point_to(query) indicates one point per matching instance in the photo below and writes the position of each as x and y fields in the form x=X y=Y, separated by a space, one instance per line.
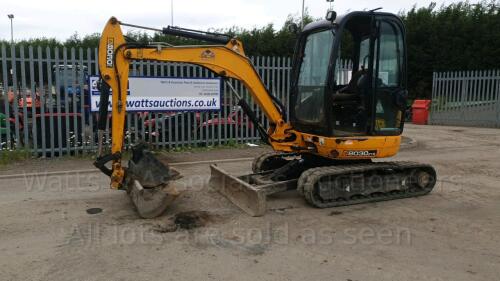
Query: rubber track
x=308 y=180
x=259 y=160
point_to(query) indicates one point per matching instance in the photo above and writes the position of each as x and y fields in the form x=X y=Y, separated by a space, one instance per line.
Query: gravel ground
x=70 y=226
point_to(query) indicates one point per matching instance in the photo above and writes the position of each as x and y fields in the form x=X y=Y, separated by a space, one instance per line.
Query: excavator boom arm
x=115 y=55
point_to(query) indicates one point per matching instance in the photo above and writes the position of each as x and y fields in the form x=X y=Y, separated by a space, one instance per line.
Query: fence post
x=6 y=105
x=463 y=96
x=43 y=93
x=15 y=88
x=33 y=97
x=433 y=98
x=497 y=93
x=22 y=91
x=50 y=99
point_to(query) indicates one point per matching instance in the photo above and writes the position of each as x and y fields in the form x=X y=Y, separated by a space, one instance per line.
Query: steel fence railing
x=466 y=98
x=45 y=108
x=45 y=104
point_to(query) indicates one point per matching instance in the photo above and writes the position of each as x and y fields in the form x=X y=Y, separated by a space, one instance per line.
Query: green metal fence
x=44 y=97
x=466 y=98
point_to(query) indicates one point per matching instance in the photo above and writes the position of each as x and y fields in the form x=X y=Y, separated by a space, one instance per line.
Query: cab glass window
x=390 y=56
x=313 y=76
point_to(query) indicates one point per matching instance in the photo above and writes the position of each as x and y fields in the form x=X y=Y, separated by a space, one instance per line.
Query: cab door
x=389 y=77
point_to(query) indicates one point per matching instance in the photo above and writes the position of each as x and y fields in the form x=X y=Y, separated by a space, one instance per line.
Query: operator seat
x=350 y=114
x=353 y=92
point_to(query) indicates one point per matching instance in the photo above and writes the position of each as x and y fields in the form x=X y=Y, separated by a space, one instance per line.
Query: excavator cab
x=349 y=76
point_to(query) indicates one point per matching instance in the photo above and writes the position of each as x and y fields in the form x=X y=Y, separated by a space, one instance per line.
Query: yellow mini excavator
x=338 y=121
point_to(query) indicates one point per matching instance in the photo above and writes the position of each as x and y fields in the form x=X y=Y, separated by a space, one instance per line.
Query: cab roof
x=342 y=19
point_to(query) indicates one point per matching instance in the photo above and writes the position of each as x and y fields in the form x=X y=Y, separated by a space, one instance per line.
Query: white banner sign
x=165 y=94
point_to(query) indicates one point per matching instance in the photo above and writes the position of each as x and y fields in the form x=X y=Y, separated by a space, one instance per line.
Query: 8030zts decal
x=110 y=49
x=360 y=153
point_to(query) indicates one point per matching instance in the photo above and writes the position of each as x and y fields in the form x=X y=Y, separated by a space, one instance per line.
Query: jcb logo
x=360 y=153
x=110 y=49
x=207 y=55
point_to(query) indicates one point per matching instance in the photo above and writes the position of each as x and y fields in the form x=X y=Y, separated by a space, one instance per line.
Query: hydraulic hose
x=251 y=114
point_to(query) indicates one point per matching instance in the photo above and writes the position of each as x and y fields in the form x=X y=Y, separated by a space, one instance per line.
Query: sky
x=60 y=19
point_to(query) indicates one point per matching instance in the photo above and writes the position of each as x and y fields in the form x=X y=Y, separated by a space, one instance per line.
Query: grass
x=13 y=156
x=228 y=145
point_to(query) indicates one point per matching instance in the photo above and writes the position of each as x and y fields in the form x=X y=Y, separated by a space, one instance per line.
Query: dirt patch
x=335 y=213
x=407 y=142
x=93 y=211
x=187 y=220
x=193 y=219
x=282 y=210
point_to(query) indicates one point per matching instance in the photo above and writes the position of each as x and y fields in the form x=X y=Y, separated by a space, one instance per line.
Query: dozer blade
x=150 y=183
x=249 y=192
x=250 y=199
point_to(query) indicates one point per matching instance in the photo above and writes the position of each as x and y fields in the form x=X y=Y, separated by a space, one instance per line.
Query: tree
x=460 y=36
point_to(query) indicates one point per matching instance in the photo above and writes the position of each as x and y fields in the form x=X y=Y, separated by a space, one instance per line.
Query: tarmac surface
x=64 y=223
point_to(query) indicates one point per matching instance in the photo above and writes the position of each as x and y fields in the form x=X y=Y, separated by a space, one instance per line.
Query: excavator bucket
x=150 y=183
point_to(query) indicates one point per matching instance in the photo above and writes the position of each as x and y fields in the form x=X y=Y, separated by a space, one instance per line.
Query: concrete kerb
x=407 y=143
x=84 y=171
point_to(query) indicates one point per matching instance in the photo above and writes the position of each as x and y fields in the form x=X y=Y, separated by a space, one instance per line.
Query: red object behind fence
x=420 y=112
